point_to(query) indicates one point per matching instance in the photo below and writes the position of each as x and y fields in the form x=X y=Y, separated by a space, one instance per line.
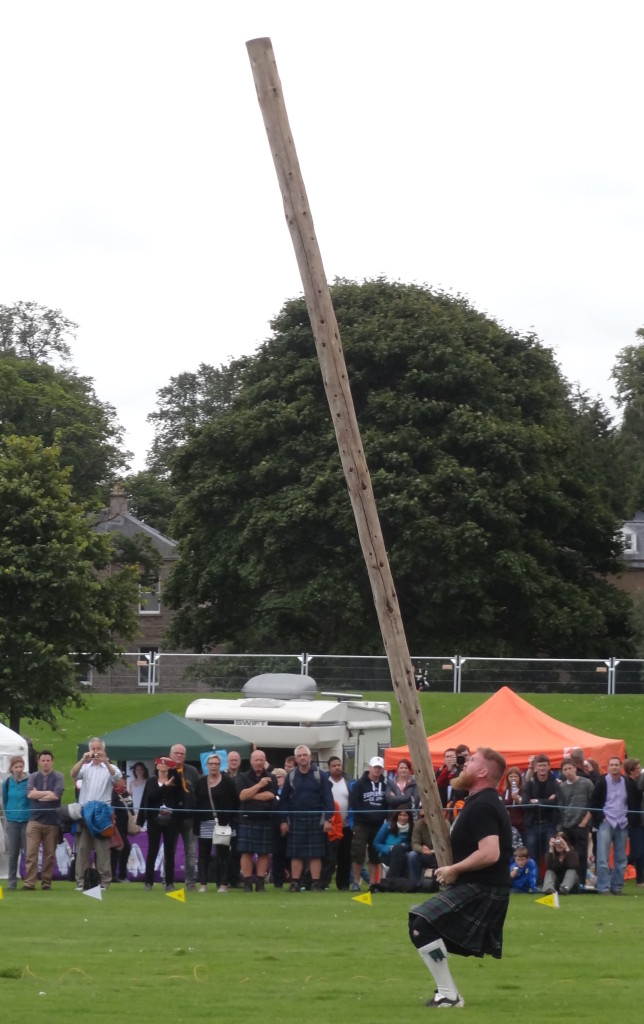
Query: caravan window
x=349 y=761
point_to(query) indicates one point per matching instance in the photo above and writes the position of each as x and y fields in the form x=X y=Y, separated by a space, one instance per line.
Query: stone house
x=631 y=579
x=140 y=667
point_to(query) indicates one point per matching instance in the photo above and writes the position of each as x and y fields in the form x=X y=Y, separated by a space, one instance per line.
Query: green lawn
x=137 y=956
x=620 y=717
x=143 y=957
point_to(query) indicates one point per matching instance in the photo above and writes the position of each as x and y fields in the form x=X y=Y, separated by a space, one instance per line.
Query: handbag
x=221 y=834
x=133 y=828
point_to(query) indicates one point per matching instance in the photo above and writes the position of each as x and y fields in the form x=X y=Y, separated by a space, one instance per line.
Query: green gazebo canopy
x=154 y=736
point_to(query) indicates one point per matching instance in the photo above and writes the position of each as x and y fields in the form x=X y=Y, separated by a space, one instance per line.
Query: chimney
x=118 y=502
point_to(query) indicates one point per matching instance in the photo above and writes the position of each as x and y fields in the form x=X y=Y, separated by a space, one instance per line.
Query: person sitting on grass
x=562 y=863
x=421 y=859
x=524 y=874
x=393 y=843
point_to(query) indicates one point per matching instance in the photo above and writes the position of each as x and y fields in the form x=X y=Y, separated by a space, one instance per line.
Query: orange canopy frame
x=517 y=730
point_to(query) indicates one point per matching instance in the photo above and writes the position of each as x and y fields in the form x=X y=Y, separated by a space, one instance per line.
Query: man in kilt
x=307 y=807
x=467 y=916
x=258 y=800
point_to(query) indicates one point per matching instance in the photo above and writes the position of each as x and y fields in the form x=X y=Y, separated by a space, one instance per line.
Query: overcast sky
x=491 y=148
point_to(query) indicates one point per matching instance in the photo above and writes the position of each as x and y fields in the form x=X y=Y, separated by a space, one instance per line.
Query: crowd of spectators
x=308 y=826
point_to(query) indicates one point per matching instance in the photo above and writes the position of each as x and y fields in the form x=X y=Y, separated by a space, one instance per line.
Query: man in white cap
x=369 y=804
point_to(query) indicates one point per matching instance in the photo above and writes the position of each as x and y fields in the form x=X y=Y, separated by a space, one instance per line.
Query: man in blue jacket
x=306 y=803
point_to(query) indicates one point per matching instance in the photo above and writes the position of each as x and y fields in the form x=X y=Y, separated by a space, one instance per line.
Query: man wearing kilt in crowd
x=467 y=916
x=258 y=799
x=307 y=807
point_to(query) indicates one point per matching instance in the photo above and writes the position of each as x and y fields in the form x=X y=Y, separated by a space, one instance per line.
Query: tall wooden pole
x=354 y=463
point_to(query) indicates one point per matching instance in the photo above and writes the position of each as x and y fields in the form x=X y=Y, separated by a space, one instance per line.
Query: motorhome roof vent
x=281 y=686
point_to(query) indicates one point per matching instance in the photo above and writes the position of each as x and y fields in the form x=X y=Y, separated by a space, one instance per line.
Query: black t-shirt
x=247 y=781
x=484 y=814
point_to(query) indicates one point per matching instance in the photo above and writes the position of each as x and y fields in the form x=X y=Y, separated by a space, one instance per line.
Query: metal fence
x=203 y=673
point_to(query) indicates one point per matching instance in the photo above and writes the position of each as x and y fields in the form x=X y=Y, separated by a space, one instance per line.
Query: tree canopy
x=628 y=375
x=185 y=404
x=151 y=498
x=62 y=408
x=33 y=331
x=60 y=611
x=495 y=516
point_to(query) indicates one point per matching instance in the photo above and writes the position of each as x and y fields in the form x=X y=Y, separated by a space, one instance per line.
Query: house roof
x=516 y=729
x=154 y=736
x=116 y=518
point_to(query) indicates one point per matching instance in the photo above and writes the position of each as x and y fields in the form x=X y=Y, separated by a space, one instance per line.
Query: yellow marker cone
x=550 y=901
x=365 y=898
x=180 y=895
x=1 y=893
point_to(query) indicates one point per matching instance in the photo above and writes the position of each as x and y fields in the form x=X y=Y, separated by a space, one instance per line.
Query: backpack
x=91 y=879
x=291 y=776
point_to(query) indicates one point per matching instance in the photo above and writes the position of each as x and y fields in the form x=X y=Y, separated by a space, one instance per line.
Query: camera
x=460 y=760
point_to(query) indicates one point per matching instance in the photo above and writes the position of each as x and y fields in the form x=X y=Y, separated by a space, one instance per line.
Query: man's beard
x=465 y=780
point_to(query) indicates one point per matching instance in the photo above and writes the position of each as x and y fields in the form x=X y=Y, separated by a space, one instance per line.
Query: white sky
x=493 y=148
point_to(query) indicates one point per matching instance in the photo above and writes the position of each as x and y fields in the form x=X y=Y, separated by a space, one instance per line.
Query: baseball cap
x=376 y=762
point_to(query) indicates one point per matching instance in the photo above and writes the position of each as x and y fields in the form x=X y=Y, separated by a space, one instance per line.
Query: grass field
x=620 y=717
x=137 y=956
x=143 y=957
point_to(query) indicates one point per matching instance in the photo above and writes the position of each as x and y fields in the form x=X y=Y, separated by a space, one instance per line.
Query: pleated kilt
x=256 y=836
x=305 y=837
x=468 y=917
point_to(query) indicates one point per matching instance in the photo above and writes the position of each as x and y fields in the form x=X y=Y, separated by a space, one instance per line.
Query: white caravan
x=279 y=710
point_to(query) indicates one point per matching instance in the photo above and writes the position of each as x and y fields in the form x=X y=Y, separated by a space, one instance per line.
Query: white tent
x=10 y=745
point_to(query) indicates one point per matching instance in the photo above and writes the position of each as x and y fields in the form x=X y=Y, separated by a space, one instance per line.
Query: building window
x=147 y=666
x=84 y=677
x=150 y=599
x=629 y=541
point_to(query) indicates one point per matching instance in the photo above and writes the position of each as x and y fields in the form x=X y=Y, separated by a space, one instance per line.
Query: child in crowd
x=523 y=872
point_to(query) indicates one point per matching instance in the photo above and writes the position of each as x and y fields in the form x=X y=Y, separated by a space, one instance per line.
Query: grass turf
x=139 y=956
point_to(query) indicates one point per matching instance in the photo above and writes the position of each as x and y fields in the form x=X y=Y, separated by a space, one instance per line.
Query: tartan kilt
x=469 y=918
x=256 y=836
x=305 y=837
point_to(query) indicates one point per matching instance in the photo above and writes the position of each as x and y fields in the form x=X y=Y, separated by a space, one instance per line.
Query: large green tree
x=61 y=408
x=493 y=510
x=628 y=375
x=60 y=609
x=36 y=332
x=185 y=404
